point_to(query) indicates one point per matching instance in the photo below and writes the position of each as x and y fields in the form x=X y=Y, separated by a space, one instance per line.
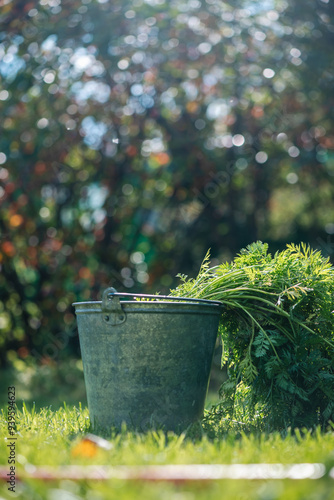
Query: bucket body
x=146 y=363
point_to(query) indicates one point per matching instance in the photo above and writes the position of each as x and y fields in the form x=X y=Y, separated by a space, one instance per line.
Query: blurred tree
x=305 y=76
x=135 y=135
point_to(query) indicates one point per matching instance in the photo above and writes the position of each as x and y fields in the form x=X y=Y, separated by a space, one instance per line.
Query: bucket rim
x=211 y=303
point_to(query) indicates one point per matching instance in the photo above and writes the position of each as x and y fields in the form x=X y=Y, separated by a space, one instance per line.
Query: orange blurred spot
x=56 y=245
x=32 y=252
x=46 y=360
x=29 y=148
x=16 y=220
x=23 y=352
x=149 y=76
x=85 y=448
x=85 y=273
x=40 y=167
x=162 y=158
x=328 y=142
x=192 y=107
x=131 y=150
x=8 y=248
x=89 y=445
x=257 y=112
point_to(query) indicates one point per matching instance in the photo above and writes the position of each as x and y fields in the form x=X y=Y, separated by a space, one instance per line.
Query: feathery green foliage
x=277 y=331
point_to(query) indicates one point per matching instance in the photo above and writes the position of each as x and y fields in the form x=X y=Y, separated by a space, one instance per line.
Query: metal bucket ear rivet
x=112 y=311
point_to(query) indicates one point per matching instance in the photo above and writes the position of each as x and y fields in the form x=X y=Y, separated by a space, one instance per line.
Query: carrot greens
x=277 y=332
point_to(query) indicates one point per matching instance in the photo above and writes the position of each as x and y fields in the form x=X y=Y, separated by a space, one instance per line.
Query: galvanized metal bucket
x=146 y=363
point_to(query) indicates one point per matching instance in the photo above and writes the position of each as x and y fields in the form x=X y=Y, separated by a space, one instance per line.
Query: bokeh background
x=136 y=135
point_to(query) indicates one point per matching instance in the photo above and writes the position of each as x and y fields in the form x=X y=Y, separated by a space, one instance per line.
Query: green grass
x=47 y=438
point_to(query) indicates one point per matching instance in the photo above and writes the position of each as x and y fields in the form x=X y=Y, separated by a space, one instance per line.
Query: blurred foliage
x=135 y=135
x=47 y=384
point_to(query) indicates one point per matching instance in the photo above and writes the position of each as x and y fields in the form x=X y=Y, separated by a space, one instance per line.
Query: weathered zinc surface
x=146 y=362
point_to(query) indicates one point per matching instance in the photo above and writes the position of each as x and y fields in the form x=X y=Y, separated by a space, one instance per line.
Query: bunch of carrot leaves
x=277 y=332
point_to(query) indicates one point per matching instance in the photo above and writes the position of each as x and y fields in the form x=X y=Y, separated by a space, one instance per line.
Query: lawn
x=53 y=438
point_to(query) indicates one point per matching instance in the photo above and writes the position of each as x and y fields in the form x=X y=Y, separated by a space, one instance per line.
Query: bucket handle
x=112 y=312
x=111 y=293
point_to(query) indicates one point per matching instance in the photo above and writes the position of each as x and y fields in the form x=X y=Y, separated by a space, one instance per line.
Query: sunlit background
x=137 y=134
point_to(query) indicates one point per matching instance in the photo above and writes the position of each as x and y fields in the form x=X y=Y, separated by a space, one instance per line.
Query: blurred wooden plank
x=173 y=473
